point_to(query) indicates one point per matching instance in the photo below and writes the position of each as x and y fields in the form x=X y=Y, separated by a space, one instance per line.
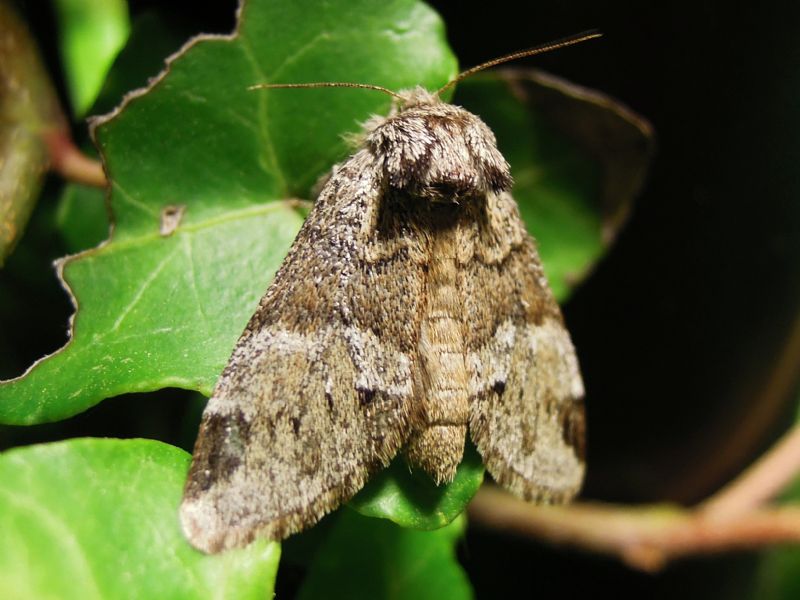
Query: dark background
x=688 y=331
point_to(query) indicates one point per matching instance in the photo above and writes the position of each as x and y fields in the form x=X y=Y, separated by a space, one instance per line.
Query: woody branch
x=648 y=537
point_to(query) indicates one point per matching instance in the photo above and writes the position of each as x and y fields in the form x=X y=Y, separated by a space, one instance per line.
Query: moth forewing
x=411 y=309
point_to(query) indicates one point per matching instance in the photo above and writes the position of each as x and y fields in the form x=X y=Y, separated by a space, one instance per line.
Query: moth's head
x=437 y=151
x=434 y=150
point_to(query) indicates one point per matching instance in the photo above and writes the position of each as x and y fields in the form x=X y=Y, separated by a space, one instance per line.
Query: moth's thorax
x=437 y=151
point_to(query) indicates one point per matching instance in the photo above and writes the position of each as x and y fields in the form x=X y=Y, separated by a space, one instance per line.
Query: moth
x=411 y=311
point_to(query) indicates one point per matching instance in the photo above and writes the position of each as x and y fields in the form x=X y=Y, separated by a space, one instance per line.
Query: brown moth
x=411 y=310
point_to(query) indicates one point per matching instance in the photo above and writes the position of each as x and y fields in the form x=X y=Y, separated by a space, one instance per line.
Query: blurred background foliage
x=688 y=332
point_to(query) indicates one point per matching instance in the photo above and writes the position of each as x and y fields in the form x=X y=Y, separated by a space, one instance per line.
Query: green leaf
x=414 y=500
x=372 y=558
x=578 y=159
x=777 y=575
x=92 y=32
x=159 y=310
x=82 y=217
x=778 y=572
x=97 y=518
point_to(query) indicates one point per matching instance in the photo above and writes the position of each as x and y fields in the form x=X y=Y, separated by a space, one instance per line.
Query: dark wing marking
x=526 y=412
x=317 y=393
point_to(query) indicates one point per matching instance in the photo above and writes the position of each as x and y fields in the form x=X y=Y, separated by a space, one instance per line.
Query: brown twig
x=762 y=481
x=647 y=537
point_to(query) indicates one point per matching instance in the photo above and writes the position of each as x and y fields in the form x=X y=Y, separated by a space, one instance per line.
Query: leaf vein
x=61 y=532
x=130 y=200
x=187 y=245
x=297 y=54
x=263 y=118
x=141 y=291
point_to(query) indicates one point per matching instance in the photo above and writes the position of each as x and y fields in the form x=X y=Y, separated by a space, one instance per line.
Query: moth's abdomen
x=442 y=410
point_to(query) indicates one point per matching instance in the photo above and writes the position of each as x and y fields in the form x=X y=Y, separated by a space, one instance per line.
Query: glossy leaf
x=372 y=558
x=413 y=500
x=97 y=518
x=82 y=217
x=92 y=32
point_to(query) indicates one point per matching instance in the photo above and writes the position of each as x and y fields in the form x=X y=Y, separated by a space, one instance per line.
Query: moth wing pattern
x=526 y=409
x=313 y=400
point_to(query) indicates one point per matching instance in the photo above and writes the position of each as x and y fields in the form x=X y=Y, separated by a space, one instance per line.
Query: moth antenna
x=319 y=84
x=562 y=43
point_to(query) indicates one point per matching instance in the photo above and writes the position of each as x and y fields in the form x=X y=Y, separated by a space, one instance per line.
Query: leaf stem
x=72 y=164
